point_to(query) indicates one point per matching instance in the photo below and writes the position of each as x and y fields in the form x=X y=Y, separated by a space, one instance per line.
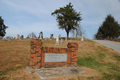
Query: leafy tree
x=2 y=27
x=67 y=18
x=109 y=27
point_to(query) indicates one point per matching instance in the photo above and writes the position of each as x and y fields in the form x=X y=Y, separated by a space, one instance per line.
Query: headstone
x=17 y=36
x=1 y=37
x=11 y=38
x=51 y=36
x=21 y=37
x=41 y=35
x=31 y=36
x=61 y=40
x=57 y=39
x=65 y=39
x=74 y=33
x=82 y=38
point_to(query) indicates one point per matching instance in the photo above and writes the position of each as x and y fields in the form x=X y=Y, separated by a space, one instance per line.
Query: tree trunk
x=67 y=34
x=67 y=31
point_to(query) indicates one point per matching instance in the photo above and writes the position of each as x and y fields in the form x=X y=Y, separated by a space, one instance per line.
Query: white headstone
x=11 y=38
x=17 y=36
x=74 y=33
x=82 y=39
x=31 y=36
x=61 y=40
x=65 y=39
x=57 y=39
x=41 y=36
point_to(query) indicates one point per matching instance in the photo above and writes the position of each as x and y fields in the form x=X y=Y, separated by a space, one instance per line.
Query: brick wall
x=37 y=55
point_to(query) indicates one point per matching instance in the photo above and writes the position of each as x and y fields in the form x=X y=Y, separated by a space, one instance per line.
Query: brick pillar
x=35 y=53
x=73 y=47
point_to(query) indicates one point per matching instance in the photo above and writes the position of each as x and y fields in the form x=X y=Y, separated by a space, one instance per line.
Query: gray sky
x=26 y=16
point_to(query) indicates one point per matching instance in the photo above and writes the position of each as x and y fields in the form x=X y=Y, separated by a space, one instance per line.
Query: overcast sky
x=26 y=16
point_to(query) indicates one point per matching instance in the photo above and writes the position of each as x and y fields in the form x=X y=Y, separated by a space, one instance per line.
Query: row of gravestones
x=57 y=40
x=32 y=36
x=18 y=37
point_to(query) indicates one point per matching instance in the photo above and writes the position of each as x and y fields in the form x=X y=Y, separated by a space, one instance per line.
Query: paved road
x=113 y=45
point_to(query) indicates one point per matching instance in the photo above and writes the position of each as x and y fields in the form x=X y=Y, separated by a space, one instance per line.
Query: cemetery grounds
x=100 y=62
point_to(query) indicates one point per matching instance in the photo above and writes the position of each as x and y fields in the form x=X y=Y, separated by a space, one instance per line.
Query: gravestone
x=61 y=40
x=65 y=39
x=14 y=38
x=31 y=36
x=82 y=38
x=57 y=39
x=41 y=35
x=11 y=38
x=1 y=37
x=74 y=33
x=17 y=36
x=51 y=36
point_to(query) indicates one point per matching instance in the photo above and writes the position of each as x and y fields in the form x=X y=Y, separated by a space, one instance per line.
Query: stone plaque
x=55 y=57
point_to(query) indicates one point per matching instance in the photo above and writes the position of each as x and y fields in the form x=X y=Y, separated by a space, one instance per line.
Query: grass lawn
x=100 y=62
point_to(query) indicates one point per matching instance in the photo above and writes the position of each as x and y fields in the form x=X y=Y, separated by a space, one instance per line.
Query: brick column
x=35 y=53
x=73 y=47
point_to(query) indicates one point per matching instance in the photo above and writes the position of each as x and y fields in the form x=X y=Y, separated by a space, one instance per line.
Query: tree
x=2 y=27
x=67 y=18
x=119 y=29
x=109 y=27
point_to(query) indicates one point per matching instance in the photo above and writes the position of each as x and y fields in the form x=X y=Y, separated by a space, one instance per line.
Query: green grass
x=4 y=78
x=117 y=57
x=90 y=61
x=6 y=71
x=90 y=78
x=101 y=55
